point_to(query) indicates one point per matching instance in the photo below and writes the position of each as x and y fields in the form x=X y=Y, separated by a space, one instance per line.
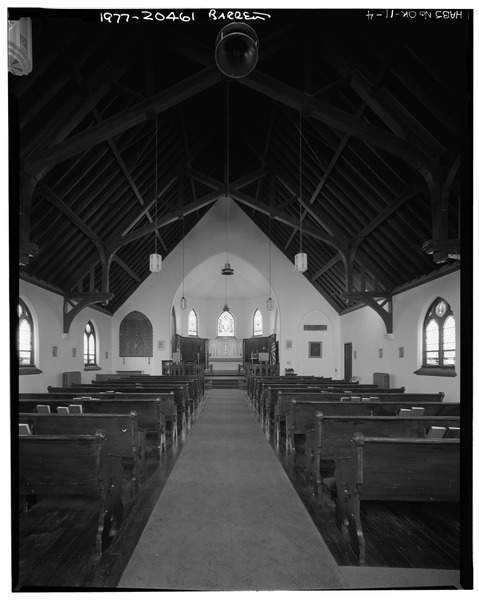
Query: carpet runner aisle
x=229 y=518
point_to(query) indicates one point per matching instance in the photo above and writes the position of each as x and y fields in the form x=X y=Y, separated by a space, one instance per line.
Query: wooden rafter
x=164 y=221
x=284 y=218
x=379 y=302
x=338 y=119
x=82 y=302
x=125 y=120
x=326 y=267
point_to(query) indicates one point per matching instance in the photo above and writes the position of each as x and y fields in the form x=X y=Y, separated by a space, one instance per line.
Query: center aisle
x=228 y=517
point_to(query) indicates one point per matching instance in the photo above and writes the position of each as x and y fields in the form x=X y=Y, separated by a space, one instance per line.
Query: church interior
x=236 y=299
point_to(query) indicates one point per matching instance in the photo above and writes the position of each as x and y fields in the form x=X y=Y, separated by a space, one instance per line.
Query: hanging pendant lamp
x=155 y=258
x=301 y=259
x=227 y=269
x=269 y=301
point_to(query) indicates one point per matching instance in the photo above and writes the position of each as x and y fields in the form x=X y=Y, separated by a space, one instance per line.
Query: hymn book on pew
x=62 y=410
x=436 y=432
x=453 y=432
x=76 y=408
x=417 y=411
x=24 y=429
x=43 y=408
x=404 y=412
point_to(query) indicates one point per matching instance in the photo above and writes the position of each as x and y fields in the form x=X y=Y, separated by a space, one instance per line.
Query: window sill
x=92 y=368
x=436 y=371
x=29 y=370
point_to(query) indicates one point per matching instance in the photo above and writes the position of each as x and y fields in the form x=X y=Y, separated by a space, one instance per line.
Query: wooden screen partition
x=257 y=348
x=193 y=349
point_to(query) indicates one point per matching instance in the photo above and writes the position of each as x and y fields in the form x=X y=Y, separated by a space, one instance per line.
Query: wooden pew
x=332 y=434
x=180 y=392
x=194 y=380
x=194 y=392
x=258 y=383
x=80 y=475
x=122 y=436
x=255 y=384
x=283 y=404
x=194 y=384
x=287 y=381
x=301 y=414
x=150 y=416
x=394 y=469
x=270 y=395
x=168 y=405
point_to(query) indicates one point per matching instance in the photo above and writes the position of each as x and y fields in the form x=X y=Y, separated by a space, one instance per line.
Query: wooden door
x=348 y=361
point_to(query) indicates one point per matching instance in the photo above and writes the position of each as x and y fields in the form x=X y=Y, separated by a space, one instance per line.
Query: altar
x=225 y=354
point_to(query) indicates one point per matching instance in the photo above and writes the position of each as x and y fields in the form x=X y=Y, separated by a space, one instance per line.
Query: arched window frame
x=257 y=323
x=90 y=346
x=218 y=322
x=439 y=314
x=193 y=332
x=27 y=361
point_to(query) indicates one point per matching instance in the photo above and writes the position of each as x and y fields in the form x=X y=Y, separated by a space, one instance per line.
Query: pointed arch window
x=25 y=338
x=257 y=323
x=89 y=345
x=439 y=340
x=192 y=323
x=226 y=324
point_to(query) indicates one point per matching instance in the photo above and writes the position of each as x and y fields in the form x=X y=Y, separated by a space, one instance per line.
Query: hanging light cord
x=300 y=181
x=269 y=235
x=227 y=139
x=227 y=161
x=156 y=182
x=183 y=227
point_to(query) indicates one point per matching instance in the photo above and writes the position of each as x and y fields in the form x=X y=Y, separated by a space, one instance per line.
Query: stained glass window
x=439 y=335
x=89 y=345
x=257 y=323
x=25 y=336
x=192 y=323
x=226 y=325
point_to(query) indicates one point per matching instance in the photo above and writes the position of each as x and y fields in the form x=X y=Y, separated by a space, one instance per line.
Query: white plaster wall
x=47 y=312
x=294 y=296
x=324 y=366
x=366 y=331
x=208 y=312
x=296 y=303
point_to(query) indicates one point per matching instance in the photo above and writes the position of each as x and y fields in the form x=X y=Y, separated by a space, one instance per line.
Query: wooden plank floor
x=398 y=535
x=43 y=559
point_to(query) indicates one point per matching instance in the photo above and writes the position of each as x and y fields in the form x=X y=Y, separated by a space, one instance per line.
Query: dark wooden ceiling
x=382 y=107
